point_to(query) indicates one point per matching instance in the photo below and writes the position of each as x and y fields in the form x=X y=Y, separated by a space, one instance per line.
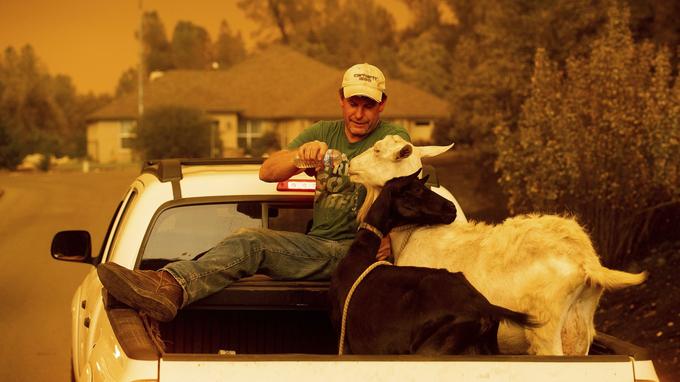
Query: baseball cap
x=363 y=80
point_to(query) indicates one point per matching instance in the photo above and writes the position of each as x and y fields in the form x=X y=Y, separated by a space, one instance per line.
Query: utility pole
x=140 y=66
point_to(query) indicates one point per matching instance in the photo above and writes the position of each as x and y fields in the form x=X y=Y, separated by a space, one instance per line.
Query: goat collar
x=371 y=228
x=405 y=227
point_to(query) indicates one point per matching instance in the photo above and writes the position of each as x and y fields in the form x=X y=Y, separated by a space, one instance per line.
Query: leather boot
x=155 y=293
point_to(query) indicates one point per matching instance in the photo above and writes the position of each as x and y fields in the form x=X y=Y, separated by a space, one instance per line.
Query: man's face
x=361 y=115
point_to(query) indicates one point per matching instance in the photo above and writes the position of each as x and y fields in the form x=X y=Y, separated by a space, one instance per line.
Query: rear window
x=185 y=232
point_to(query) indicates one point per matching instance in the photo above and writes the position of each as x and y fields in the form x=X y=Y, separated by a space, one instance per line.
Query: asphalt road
x=35 y=290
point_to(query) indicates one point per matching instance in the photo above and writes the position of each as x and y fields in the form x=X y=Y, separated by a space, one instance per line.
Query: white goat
x=542 y=265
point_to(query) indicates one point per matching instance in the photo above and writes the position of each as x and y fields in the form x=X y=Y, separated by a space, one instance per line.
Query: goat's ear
x=405 y=152
x=431 y=151
x=413 y=176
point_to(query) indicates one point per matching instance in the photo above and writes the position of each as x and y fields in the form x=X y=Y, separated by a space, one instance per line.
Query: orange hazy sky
x=92 y=41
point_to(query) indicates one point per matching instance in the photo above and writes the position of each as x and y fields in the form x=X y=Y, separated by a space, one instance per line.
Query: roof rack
x=170 y=170
x=167 y=170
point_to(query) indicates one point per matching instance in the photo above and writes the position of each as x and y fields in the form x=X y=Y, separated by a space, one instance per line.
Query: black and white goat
x=543 y=265
x=411 y=310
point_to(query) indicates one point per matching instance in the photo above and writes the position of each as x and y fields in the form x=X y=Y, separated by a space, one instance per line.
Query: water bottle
x=330 y=158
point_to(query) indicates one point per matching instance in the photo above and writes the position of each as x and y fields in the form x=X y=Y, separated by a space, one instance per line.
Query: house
x=277 y=90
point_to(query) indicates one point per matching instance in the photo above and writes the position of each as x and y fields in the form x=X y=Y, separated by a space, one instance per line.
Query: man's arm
x=279 y=166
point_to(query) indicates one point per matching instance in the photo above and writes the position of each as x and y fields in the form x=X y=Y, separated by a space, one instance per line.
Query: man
x=281 y=255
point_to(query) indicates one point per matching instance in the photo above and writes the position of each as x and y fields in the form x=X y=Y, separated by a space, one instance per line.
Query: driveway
x=35 y=290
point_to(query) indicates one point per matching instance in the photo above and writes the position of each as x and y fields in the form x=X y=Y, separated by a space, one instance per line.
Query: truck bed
x=257 y=315
x=259 y=328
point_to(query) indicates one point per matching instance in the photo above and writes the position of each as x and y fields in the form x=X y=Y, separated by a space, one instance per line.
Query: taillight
x=297 y=185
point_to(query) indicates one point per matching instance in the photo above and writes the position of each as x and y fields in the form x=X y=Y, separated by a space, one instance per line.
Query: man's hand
x=385 y=249
x=280 y=165
x=314 y=150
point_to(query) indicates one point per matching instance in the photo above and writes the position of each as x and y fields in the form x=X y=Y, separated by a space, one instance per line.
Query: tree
x=11 y=147
x=71 y=140
x=494 y=43
x=157 y=49
x=266 y=144
x=28 y=105
x=40 y=113
x=600 y=139
x=425 y=47
x=229 y=48
x=27 y=101
x=127 y=82
x=338 y=33
x=191 y=47
x=174 y=132
x=426 y=16
x=656 y=20
x=353 y=31
x=424 y=62
x=281 y=20
x=493 y=57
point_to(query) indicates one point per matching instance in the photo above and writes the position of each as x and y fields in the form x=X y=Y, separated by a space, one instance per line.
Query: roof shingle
x=278 y=83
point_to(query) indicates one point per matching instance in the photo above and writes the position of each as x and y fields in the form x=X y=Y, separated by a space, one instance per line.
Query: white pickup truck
x=256 y=329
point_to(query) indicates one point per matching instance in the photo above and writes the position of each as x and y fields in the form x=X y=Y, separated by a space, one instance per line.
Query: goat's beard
x=371 y=195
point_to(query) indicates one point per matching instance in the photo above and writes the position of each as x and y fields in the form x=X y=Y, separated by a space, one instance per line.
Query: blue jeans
x=278 y=254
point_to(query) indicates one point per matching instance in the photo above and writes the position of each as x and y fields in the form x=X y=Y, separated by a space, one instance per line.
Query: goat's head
x=389 y=158
x=407 y=200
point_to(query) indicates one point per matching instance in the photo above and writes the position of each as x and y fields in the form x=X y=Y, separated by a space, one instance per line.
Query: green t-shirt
x=337 y=200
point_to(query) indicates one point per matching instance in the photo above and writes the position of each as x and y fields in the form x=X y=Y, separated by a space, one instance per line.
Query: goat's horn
x=431 y=151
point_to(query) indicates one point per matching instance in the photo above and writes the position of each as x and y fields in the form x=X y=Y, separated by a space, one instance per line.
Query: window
x=127 y=134
x=119 y=221
x=215 y=150
x=185 y=232
x=248 y=132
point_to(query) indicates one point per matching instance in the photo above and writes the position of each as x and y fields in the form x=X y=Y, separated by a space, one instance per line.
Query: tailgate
x=182 y=367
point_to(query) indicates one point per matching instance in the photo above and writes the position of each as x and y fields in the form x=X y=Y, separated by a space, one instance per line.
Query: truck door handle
x=86 y=322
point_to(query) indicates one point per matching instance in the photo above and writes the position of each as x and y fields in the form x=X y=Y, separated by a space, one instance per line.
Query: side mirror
x=75 y=246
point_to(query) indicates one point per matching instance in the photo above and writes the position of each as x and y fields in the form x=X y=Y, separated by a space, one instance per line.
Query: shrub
x=173 y=132
x=12 y=148
x=600 y=140
x=266 y=144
